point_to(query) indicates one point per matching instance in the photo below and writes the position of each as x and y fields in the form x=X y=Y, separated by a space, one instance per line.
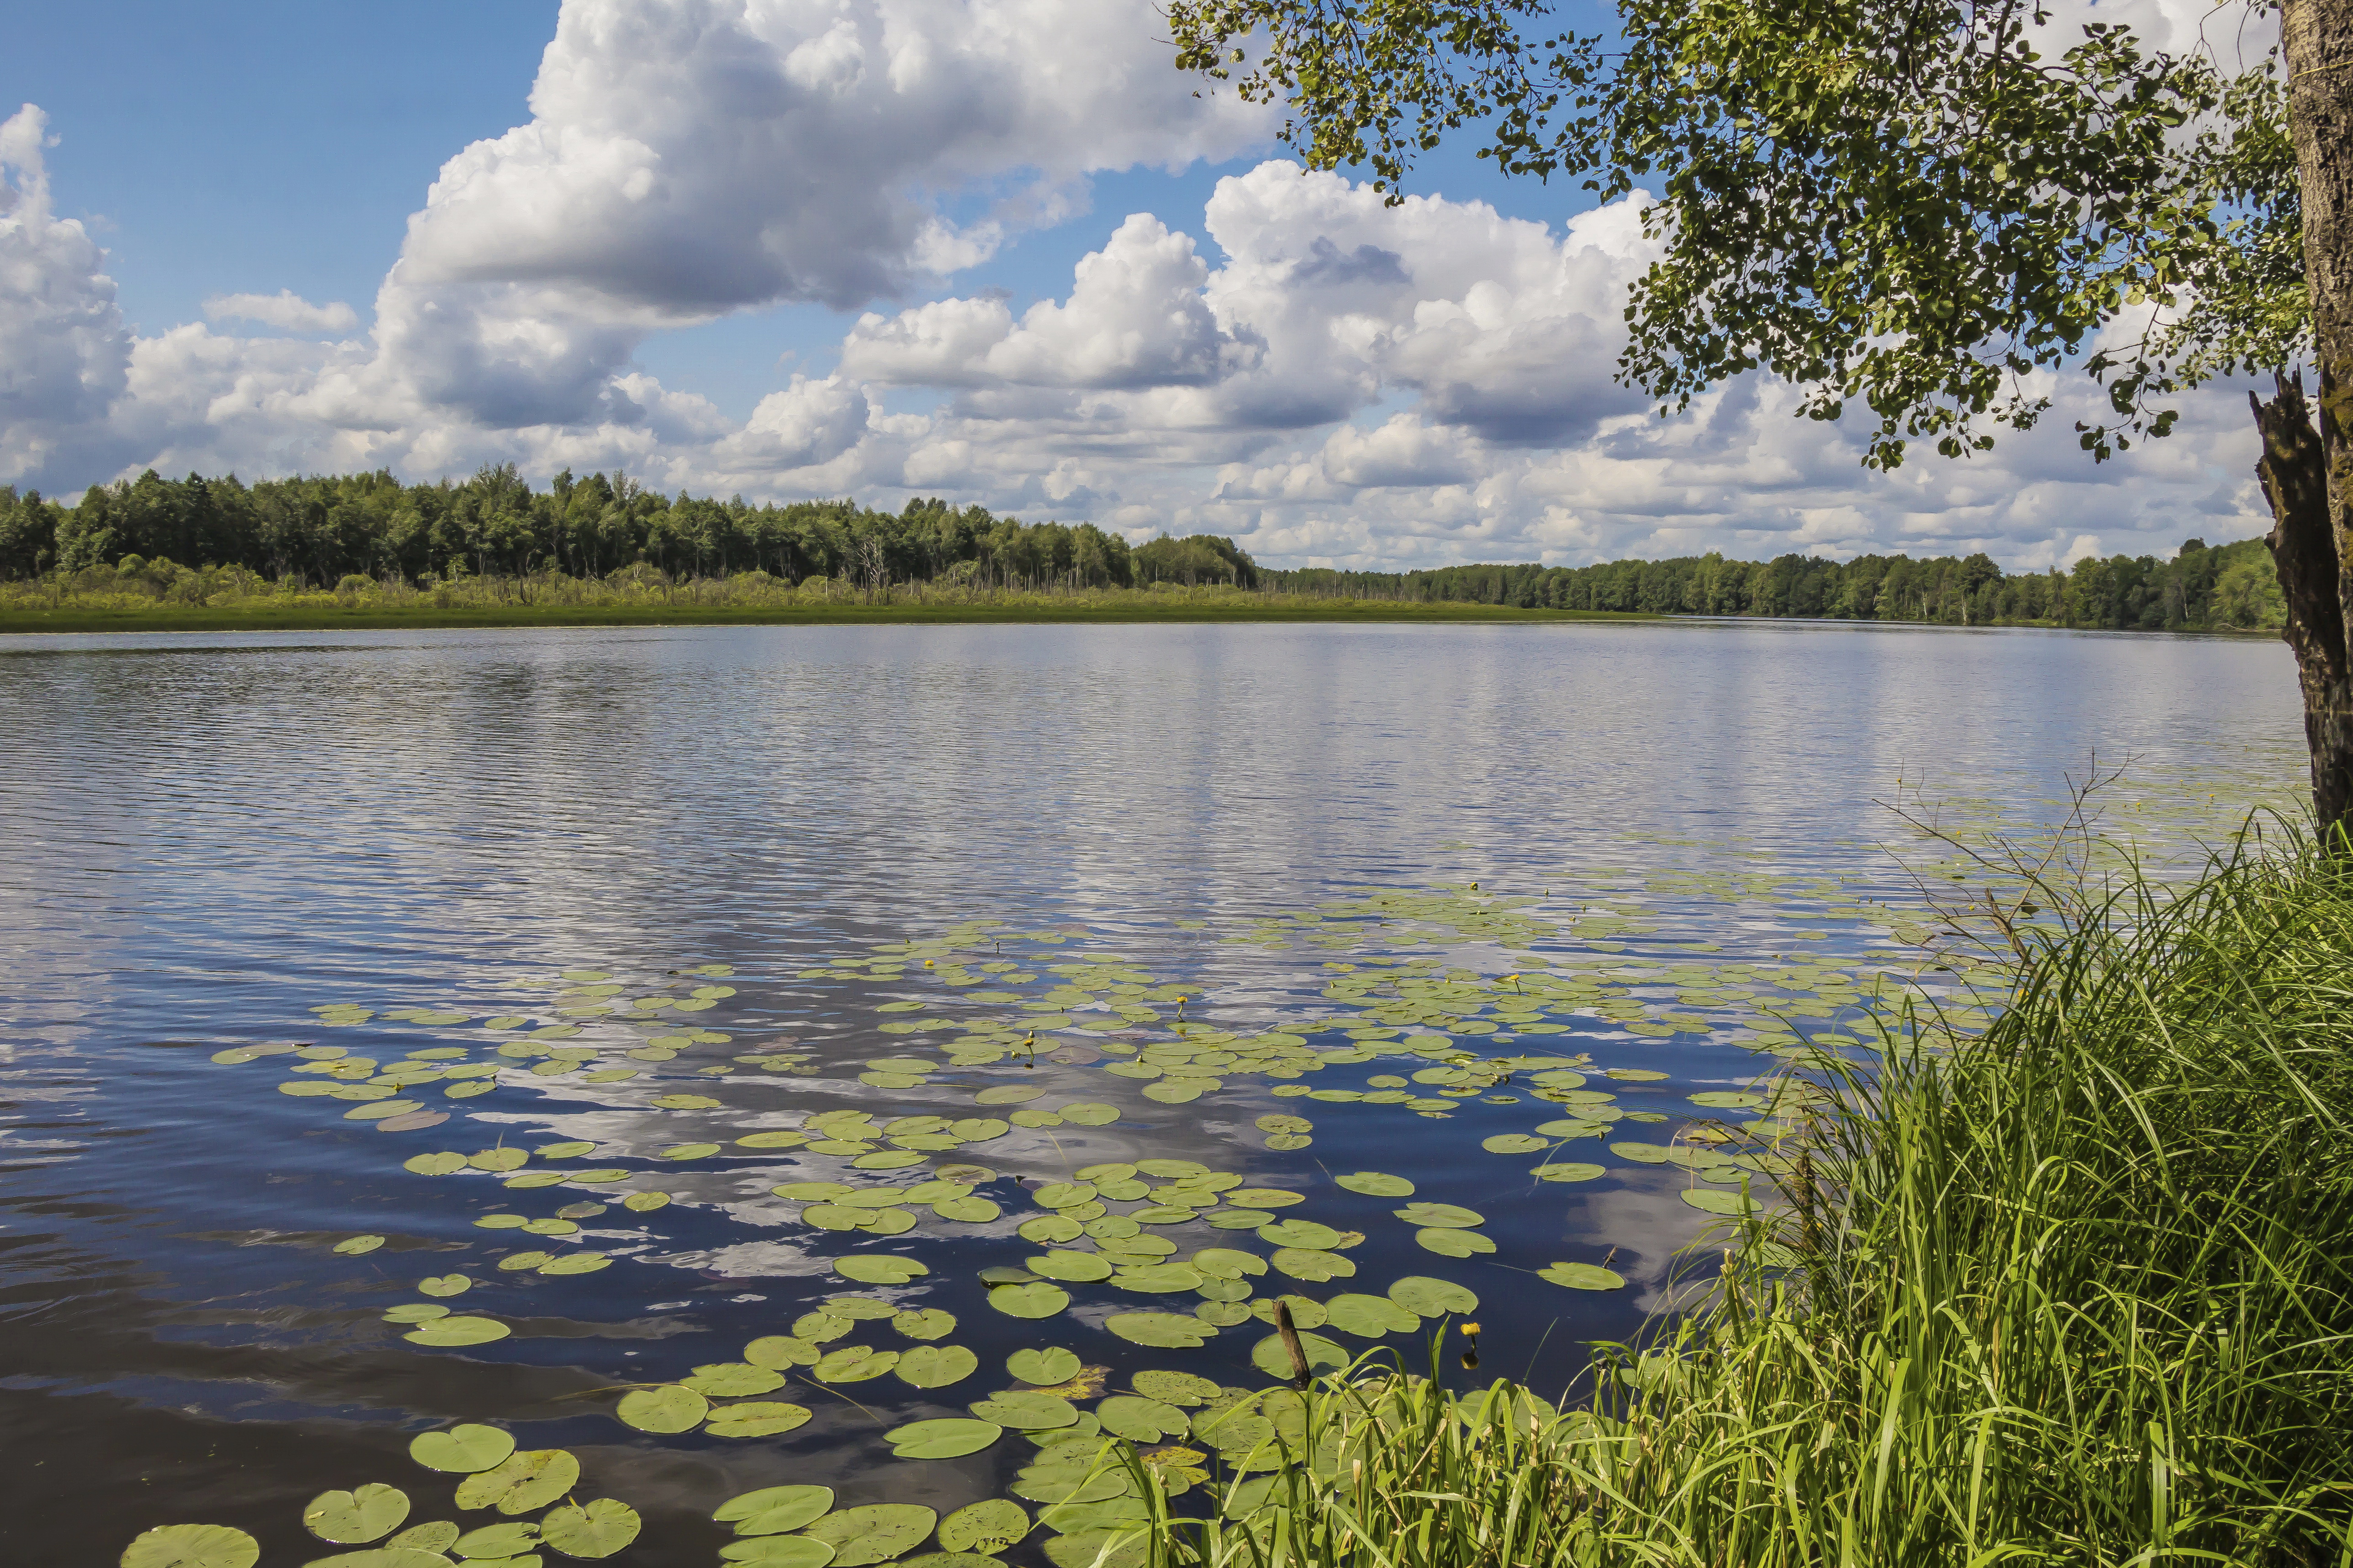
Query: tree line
x=327 y=530
x=324 y=529
x=2203 y=587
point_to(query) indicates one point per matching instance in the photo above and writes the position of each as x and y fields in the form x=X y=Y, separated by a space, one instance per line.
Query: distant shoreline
x=313 y=615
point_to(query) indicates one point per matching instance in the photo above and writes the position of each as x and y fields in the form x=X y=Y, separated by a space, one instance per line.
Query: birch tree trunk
x=2306 y=468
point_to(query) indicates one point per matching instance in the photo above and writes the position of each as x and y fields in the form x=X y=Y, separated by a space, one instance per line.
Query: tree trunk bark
x=2307 y=472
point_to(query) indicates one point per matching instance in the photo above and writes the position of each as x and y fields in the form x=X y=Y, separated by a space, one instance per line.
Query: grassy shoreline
x=2077 y=1290
x=322 y=612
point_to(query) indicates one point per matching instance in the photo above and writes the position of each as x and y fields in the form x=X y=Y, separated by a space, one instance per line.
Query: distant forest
x=173 y=535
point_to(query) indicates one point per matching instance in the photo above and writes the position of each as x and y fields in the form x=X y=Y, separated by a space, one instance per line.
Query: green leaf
x=462 y=1449
x=1050 y=1364
x=774 y=1509
x=1301 y=1263
x=1582 y=1277
x=875 y=1533
x=1165 y=1331
x=944 y=1438
x=192 y=1546
x=988 y=1527
x=936 y=1366
x=733 y=1380
x=756 y=1418
x=1374 y=1185
x=356 y=1517
x=1428 y=1297
x=1323 y=1355
x=1040 y=1299
x=1029 y=1410
x=670 y=1408
x=1454 y=1243
x=1140 y=1420
x=1440 y=1216
x=528 y=1479
x=596 y=1529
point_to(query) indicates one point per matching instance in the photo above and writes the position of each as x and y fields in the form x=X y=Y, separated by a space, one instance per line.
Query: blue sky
x=830 y=290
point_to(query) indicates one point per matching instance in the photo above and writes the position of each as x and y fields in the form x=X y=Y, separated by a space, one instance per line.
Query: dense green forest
x=173 y=539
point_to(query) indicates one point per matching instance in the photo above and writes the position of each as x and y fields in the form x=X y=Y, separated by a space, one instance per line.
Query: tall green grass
x=2076 y=1291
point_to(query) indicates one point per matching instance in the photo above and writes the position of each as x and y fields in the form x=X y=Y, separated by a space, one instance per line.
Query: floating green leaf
x=528 y=1479
x=1374 y=1185
x=1175 y=1387
x=1047 y=1229
x=1008 y=1094
x=936 y=1366
x=1026 y=1409
x=1077 y=1266
x=1454 y=1243
x=1582 y=1277
x=498 y=1540
x=444 y=1163
x=1139 y=1419
x=1512 y=1144
x=1090 y=1114
x=854 y=1364
x=1369 y=1316
x=1227 y=1263
x=988 y=1527
x=879 y=1268
x=358 y=1516
x=1264 y=1197
x=193 y=1546
x=966 y=1210
x=575 y=1263
x=458 y=1331
x=1568 y=1172
x=1441 y=1215
x=875 y=1533
x=777 y=1551
x=497 y=1158
x=463 y=1449
x=1047 y=1365
x=596 y=1529
x=433 y=1535
x=946 y=1438
x=670 y=1408
x=781 y=1351
x=1717 y=1200
x=756 y=1418
x=1164 y=1330
x=772 y=1511
x=1303 y=1263
x=690 y=1151
x=352 y=1245
x=1323 y=1355
x=1302 y=1233
x=1040 y=1299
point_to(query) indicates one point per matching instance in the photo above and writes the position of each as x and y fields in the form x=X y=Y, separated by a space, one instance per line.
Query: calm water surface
x=206 y=837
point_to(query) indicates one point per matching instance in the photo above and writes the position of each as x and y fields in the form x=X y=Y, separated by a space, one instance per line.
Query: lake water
x=1679 y=833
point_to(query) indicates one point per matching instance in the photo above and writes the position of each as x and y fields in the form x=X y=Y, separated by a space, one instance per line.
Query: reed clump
x=2077 y=1290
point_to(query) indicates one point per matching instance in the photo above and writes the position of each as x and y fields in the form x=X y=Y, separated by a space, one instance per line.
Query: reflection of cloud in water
x=1646 y=1219
x=748 y=1260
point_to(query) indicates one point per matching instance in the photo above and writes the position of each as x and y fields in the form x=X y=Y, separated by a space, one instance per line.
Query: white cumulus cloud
x=286 y=311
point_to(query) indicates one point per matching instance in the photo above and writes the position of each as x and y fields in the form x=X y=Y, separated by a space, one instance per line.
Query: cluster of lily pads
x=498 y=1479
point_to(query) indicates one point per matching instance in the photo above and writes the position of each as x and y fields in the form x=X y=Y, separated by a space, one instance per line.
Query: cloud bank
x=1328 y=379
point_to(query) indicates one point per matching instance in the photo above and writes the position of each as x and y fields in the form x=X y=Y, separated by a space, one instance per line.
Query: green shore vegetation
x=366 y=550
x=2078 y=1288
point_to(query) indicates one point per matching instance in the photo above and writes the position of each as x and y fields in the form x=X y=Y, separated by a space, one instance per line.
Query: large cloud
x=1326 y=377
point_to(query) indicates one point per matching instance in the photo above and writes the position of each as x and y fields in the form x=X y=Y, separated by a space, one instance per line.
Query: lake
x=639 y=895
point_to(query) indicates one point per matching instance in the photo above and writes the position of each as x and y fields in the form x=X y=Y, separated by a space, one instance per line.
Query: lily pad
x=352 y=1245
x=192 y=1546
x=1512 y=1144
x=442 y=1163
x=1570 y=1170
x=1718 y=1201
x=777 y=1552
x=529 y=1480
x=1303 y=1233
x=1164 y=1330
x=966 y=1210
x=781 y=1351
x=1454 y=1243
x=772 y=1511
x=1323 y=1355
x=936 y=1366
x=1428 y=1298
x=358 y=1516
x=1141 y=1420
x=1227 y=1263
x=873 y=1269
x=1303 y=1262
x=445 y=1285
x=1040 y=1299
x=596 y=1529
x=463 y=1449
x=854 y=1364
x=457 y=1332
x=756 y=1418
x=1008 y=1094
x=1028 y=1409
x=988 y=1527
x=946 y=1438
x=1175 y=1387
x=1369 y=1317
x=1374 y=1184
x=1158 y=1279
x=1048 y=1364
x=1050 y=1229
x=670 y=1408
x=506 y=1539
x=875 y=1533
x=924 y=1323
x=1726 y=1099
x=1582 y=1277
x=1440 y=1216
x=433 y=1535
x=1091 y=1114
x=1076 y=1267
